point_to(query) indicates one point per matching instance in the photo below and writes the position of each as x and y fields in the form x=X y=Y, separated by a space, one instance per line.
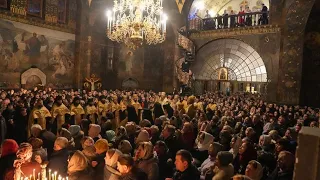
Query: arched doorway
x=229 y=65
x=33 y=77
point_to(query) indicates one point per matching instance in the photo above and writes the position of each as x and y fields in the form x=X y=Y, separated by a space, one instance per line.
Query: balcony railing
x=229 y=21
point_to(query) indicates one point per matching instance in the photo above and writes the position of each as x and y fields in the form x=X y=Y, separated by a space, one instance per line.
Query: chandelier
x=134 y=22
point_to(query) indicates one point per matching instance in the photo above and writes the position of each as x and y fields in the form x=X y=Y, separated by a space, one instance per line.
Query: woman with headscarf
x=65 y=133
x=87 y=142
x=77 y=135
x=223 y=169
x=205 y=167
x=143 y=136
x=38 y=150
x=9 y=149
x=78 y=167
x=146 y=160
x=235 y=145
x=254 y=170
x=23 y=166
x=111 y=160
x=121 y=134
x=125 y=147
x=203 y=143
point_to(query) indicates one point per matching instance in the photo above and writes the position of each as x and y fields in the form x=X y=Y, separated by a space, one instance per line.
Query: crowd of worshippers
x=143 y=135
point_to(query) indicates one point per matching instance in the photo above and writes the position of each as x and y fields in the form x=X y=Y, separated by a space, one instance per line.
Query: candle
x=52 y=176
x=39 y=176
x=55 y=175
x=49 y=174
x=59 y=177
x=34 y=174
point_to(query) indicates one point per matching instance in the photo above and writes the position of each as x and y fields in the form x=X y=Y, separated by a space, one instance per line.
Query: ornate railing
x=229 y=21
x=185 y=43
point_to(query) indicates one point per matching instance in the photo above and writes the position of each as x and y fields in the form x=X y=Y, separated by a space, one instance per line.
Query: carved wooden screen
x=35 y=7
x=62 y=11
x=3 y=4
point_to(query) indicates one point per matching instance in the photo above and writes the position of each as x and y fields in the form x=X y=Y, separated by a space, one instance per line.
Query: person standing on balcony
x=264 y=17
x=219 y=19
x=225 y=19
x=248 y=16
x=232 y=19
x=241 y=17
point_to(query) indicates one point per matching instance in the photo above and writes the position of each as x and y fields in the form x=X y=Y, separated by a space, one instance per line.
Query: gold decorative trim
x=36 y=22
x=224 y=33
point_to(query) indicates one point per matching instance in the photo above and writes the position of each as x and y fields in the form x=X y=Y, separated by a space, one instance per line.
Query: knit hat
x=143 y=136
x=125 y=147
x=65 y=133
x=74 y=130
x=111 y=135
x=9 y=146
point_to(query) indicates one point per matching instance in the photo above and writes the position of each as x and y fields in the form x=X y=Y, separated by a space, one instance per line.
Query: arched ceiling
x=218 y=6
x=241 y=60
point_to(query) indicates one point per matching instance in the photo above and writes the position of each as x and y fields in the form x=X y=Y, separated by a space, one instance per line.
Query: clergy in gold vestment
x=102 y=108
x=39 y=115
x=58 y=111
x=76 y=111
x=191 y=110
x=135 y=103
x=91 y=111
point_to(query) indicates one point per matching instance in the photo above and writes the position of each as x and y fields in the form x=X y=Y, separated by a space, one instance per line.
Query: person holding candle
x=23 y=163
x=102 y=146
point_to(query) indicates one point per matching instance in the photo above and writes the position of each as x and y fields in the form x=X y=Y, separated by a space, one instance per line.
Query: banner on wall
x=180 y=4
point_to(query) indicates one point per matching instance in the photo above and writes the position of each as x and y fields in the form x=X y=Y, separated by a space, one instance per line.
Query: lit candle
x=39 y=176
x=49 y=174
x=55 y=175
x=52 y=176
x=34 y=174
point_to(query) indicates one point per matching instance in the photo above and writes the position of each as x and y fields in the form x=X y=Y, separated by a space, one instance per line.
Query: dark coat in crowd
x=191 y=173
x=173 y=145
x=6 y=163
x=3 y=129
x=48 y=139
x=277 y=175
x=86 y=174
x=59 y=161
x=150 y=167
x=134 y=174
x=99 y=168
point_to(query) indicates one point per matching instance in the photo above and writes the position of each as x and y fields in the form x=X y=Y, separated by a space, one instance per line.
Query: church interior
x=244 y=54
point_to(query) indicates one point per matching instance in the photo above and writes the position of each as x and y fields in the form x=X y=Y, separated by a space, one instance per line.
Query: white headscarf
x=208 y=139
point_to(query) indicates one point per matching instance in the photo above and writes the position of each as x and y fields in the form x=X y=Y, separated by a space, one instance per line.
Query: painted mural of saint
x=33 y=45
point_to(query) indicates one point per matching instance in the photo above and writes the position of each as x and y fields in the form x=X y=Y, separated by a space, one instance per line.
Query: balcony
x=229 y=21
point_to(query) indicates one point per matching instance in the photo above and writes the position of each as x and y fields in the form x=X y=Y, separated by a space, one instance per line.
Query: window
x=35 y=8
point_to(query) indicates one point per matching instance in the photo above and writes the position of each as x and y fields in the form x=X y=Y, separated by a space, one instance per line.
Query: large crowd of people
x=143 y=135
